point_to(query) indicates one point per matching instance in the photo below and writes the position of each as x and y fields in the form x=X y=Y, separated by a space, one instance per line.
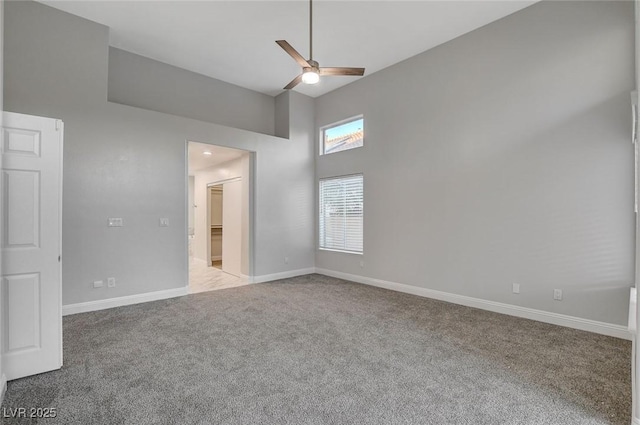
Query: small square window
x=342 y=136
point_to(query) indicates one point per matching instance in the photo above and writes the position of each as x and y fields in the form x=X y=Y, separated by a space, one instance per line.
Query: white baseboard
x=169 y=293
x=3 y=387
x=121 y=301
x=609 y=329
x=281 y=275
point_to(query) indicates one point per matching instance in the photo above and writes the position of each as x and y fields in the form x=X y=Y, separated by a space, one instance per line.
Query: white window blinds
x=341 y=213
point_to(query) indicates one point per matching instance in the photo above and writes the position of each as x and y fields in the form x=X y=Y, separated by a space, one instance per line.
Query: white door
x=232 y=228
x=31 y=226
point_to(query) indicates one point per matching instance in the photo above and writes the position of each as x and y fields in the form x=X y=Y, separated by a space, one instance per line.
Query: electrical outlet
x=557 y=294
x=98 y=284
x=111 y=282
x=516 y=288
x=286 y=260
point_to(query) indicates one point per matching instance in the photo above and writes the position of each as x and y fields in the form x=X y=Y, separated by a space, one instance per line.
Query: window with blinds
x=341 y=213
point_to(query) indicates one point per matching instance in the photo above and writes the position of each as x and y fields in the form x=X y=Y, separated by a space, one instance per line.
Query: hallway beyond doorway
x=219 y=213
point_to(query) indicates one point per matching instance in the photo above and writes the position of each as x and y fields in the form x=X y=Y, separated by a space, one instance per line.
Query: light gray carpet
x=318 y=350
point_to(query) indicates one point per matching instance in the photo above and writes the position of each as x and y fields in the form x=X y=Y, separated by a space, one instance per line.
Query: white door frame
x=251 y=180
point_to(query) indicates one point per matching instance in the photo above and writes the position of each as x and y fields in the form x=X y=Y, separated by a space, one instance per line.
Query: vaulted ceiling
x=234 y=41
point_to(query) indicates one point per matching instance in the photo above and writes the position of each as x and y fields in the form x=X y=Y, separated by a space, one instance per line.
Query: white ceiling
x=234 y=41
x=199 y=161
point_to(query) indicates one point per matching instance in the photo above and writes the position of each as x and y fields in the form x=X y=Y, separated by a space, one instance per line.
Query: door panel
x=21 y=142
x=22 y=194
x=22 y=298
x=31 y=226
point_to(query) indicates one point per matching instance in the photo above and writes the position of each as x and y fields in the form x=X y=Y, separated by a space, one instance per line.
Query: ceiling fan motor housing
x=312 y=65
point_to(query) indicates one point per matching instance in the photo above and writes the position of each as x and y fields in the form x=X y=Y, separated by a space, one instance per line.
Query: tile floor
x=203 y=278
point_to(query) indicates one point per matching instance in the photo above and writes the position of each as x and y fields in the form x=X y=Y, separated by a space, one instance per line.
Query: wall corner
x=281 y=115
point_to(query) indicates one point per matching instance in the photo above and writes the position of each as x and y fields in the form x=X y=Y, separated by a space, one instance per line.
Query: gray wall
x=635 y=358
x=138 y=81
x=502 y=156
x=121 y=161
x=282 y=115
x=296 y=196
x=1 y=207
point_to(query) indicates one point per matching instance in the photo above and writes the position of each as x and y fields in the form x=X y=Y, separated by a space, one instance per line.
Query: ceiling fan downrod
x=310 y=30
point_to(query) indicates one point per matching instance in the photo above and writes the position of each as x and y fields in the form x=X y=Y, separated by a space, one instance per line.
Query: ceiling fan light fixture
x=310 y=76
x=311 y=70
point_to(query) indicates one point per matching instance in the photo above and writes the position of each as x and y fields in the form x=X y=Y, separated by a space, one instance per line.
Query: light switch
x=164 y=222
x=115 y=222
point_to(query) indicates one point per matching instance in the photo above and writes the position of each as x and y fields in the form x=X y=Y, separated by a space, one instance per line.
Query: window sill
x=340 y=251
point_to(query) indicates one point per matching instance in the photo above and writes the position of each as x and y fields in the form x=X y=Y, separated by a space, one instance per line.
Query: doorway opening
x=219 y=204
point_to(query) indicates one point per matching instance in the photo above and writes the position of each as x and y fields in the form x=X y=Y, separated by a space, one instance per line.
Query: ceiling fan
x=311 y=70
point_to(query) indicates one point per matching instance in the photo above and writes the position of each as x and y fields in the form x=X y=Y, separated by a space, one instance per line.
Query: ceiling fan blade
x=293 y=82
x=293 y=53
x=341 y=71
